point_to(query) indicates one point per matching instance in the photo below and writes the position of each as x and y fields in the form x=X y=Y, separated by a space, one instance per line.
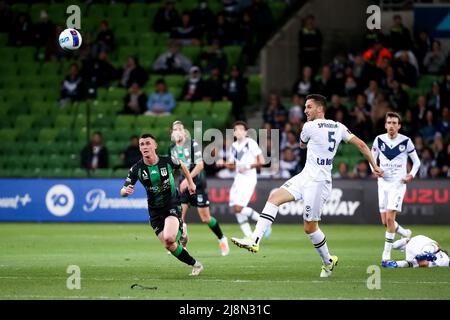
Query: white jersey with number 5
x=323 y=137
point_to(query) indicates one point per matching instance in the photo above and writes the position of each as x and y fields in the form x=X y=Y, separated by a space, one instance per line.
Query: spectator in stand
x=214 y=57
x=371 y=36
x=21 y=32
x=379 y=110
x=334 y=107
x=246 y=38
x=387 y=82
x=296 y=112
x=371 y=92
x=305 y=85
x=166 y=18
x=6 y=16
x=351 y=87
x=327 y=85
x=446 y=167
x=133 y=72
x=342 y=172
x=423 y=46
x=194 y=88
x=172 y=61
x=131 y=154
x=44 y=30
x=215 y=87
x=404 y=71
x=72 y=87
x=440 y=152
x=222 y=30
x=53 y=52
x=288 y=164
x=135 y=101
x=445 y=88
x=203 y=17
x=377 y=53
x=400 y=36
x=420 y=110
x=291 y=141
x=411 y=59
x=105 y=39
x=160 y=102
x=186 y=32
x=262 y=20
x=310 y=43
x=434 y=60
x=398 y=98
x=419 y=144
x=361 y=125
x=338 y=68
x=95 y=155
x=434 y=99
x=409 y=125
x=443 y=125
x=426 y=162
x=429 y=130
x=98 y=73
x=236 y=90
x=275 y=114
x=361 y=170
x=361 y=105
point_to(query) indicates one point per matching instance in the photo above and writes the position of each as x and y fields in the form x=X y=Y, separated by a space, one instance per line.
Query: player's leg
x=237 y=203
x=397 y=206
x=315 y=195
x=242 y=219
x=389 y=235
x=184 y=236
x=213 y=224
x=170 y=236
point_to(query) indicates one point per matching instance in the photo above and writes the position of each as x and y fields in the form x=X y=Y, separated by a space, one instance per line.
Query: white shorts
x=241 y=191
x=313 y=193
x=390 y=196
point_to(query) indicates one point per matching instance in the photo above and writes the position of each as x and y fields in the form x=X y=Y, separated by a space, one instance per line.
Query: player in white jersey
x=391 y=151
x=321 y=137
x=420 y=251
x=245 y=157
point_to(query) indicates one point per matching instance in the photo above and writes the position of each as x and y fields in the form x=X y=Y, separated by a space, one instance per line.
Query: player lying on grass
x=420 y=251
x=156 y=175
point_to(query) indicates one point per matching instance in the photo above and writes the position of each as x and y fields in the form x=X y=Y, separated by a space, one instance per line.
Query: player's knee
x=205 y=219
x=273 y=197
x=169 y=240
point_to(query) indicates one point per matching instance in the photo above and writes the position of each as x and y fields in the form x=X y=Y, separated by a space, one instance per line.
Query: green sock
x=183 y=256
x=214 y=226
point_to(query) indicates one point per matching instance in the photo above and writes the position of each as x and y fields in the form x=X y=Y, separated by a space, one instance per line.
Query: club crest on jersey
x=383 y=147
x=163 y=172
x=144 y=175
x=401 y=148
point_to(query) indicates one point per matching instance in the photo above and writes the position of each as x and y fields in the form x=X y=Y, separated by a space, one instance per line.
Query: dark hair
x=160 y=81
x=319 y=99
x=391 y=114
x=147 y=135
x=241 y=123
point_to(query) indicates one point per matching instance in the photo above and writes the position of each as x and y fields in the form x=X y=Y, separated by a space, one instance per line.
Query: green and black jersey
x=158 y=180
x=189 y=154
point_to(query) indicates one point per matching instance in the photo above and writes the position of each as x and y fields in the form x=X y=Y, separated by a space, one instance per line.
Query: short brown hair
x=240 y=123
x=147 y=135
x=391 y=114
x=319 y=99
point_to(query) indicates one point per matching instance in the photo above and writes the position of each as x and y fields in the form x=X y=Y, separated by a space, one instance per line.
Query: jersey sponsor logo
x=173 y=211
x=334 y=206
x=144 y=175
x=59 y=200
x=324 y=162
x=426 y=196
x=13 y=202
x=96 y=199
x=163 y=172
x=153 y=172
x=327 y=125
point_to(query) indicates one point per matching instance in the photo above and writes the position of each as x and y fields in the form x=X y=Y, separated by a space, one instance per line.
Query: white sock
x=249 y=212
x=266 y=218
x=243 y=223
x=403 y=264
x=400 y=244
x=400 y=230
x=319 y=241
x=389 y=239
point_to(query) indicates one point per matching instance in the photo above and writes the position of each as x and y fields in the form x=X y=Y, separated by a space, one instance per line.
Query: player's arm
x=305 y=135
x=128 y=186
x=364 y=149
x=415 y=167
x=190 y=182
x=198 y=160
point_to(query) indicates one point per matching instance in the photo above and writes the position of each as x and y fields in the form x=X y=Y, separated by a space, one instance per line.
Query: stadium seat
x=191 y=52
x=145 y=122
x=47 y=135
x=233 y=54
x=25 y=121
x=124 y=122
x=120 y=173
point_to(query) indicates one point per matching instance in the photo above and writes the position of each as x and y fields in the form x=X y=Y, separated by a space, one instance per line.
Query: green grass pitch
x=112 y=257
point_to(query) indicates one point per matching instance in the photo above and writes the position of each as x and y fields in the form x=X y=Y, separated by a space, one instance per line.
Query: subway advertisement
x=99 y=200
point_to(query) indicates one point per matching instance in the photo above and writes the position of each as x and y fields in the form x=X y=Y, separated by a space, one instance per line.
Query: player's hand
x=220 y=163
x=378 y=171
x=129 y=189
x=183 y=185
x=407 y=179
x=192 y=188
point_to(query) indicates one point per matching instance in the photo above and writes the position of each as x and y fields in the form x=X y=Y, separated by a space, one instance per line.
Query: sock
x=266 y=218
x=184 y=256
x=389 y=239
x=400 y=230
x=319 y=241
x=404 y=264
x=245 y=226
x=400 y=244
x=214 y=226
x=250 y=213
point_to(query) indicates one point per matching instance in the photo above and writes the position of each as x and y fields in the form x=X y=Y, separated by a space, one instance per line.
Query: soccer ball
x=70 y=39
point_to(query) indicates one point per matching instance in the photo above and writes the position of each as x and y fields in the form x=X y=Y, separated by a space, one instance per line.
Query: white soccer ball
x=70 y=39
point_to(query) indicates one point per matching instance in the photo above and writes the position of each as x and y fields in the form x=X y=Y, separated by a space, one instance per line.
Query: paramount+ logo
x=426 y=196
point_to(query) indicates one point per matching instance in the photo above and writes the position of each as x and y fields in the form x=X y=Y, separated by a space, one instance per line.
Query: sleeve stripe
x=412 y=150
x=303 y=141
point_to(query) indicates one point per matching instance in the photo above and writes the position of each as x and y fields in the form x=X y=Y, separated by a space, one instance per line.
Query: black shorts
x=158 y=217
x=199 y=199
